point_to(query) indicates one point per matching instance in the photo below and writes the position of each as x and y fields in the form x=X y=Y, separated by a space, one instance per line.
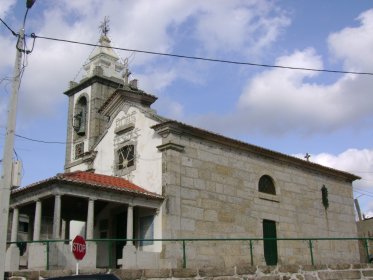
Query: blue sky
x=293 y=112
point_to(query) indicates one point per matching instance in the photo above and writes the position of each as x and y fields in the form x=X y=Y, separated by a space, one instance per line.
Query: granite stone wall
x=211 y=191
x=243 y=272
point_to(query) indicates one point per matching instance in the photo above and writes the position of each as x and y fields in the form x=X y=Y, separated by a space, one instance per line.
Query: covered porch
x=103 y=209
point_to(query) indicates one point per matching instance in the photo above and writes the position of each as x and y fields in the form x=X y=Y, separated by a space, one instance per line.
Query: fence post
x=251 y=252
x=110 y=244
x=366 y=248
x=184 y=255
x=47 y=254
x=311 y=252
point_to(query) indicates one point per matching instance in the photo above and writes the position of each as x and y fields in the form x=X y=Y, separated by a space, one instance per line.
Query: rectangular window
x=146 y=230
x=79 y=150
x=23 y=226
x=126 y=157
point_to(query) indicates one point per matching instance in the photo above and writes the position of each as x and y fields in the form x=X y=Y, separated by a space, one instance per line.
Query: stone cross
x=307 y=156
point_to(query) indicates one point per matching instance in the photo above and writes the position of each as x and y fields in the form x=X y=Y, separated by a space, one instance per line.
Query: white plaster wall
x=148 y=171
x=79 y=167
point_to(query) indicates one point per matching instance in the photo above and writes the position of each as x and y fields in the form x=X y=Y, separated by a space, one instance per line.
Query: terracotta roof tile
x=103 y=181
x=96 y=180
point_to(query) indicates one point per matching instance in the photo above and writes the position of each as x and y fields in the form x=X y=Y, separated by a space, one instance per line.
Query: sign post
x=79 y=249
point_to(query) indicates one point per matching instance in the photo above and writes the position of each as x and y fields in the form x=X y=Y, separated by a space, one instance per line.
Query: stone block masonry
x=240 y=272
x=212 y=192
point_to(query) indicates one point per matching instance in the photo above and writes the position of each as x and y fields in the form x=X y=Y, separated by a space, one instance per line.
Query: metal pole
x=110 y=253
x=47 y=268
x=6 y=177
x=251 y=253
x=184 y=255
x=366 y=245
x=311 y=251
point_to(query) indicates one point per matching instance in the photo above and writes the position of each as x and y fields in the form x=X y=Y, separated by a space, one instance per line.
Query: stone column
x=37 y=257
x=129 y=253
x=37 y=221
x=89 y=260
x=63 y=229
x=90 y=219
x=57 y=217
x=129 y=225
x=12 y=253
x=13 y=237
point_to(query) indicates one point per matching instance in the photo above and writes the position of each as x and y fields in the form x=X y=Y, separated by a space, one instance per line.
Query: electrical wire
x=362 y=190
x=34 y=36
x=39 y=141
x=202 y=58
x=7 y=26
x=363 y=193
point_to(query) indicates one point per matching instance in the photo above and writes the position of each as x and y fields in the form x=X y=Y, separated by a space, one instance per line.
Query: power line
x=368 y=195
x=7 y=26
x=39 y=141
x=203 y=58
x=362 y=191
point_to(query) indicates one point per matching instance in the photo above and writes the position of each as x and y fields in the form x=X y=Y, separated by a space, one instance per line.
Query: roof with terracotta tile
x=94 y=180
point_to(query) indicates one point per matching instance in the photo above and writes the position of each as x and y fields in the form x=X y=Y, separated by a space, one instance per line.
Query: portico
x=116 y=212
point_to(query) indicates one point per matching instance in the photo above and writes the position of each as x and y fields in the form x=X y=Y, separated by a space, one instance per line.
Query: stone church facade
x=132 y=174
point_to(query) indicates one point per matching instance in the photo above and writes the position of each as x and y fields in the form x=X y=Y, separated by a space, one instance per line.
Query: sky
x=328 y=115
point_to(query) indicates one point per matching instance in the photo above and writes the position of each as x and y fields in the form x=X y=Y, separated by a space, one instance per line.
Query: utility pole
x=6 y=177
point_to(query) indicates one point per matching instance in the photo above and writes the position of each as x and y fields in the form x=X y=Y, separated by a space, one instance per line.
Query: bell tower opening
x=80 y=116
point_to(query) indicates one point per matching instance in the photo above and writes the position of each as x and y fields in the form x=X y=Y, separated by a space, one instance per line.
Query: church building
x=133 y=174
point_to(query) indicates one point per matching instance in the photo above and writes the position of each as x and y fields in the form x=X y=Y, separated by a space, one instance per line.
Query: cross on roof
x=307 y=156
x=104 y=26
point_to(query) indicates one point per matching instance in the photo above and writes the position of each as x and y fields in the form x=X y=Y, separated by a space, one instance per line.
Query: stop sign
x=79 y=247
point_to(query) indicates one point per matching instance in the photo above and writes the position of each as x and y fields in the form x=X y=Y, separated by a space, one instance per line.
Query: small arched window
x=80 y=116
x=266 y=185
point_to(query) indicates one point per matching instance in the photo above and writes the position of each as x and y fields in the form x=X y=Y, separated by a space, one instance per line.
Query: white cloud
x=7 y=57
x=286 y=100
x=354 y=45
x=358 y=162
x=240 y=26
x=143 y=25
x=156 y=80
x=5 y=6
x=279 y=101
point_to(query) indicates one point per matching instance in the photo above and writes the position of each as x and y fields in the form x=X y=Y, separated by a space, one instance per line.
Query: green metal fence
x=184 y=245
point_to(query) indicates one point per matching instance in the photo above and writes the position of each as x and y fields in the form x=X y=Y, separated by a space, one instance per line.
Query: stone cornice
x=174 y=127
x=129 y=95
x=171 y=146
x=112 y=82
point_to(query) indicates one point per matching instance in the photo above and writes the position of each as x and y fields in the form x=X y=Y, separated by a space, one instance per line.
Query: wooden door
x=270 y=246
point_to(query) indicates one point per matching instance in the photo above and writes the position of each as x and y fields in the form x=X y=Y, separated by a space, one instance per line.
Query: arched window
x=80 y=116
x=266 y=185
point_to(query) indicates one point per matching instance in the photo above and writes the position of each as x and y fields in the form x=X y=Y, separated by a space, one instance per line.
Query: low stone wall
x=243 y=272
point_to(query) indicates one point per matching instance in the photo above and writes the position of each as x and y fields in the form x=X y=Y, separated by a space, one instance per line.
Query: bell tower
x=103 y=74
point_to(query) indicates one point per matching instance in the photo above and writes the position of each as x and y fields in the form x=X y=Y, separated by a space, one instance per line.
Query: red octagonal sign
x=79 y=247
